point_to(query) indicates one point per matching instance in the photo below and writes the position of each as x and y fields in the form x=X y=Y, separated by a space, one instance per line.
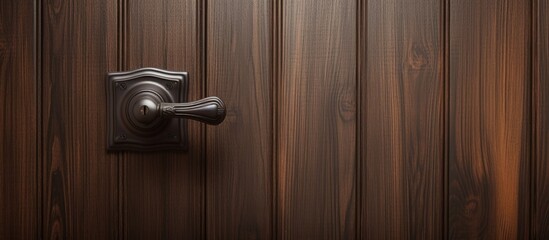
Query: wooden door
x=346 y=119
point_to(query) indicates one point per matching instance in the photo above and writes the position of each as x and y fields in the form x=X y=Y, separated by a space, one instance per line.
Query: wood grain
x=402 y=100
x=316 y=123
x=80 y=185
x=239 y=151
x=164 y=191
x=19 y=199
x=540 y=216
x=377 y=119
x=489 y=119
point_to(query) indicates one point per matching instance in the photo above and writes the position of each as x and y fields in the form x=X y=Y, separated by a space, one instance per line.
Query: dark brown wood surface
x=316 y=122
x=402 y=90
x=540 y=212
x=239 y=151
x=80 y=180
x=19 y=199
x=377 y=119
x=489 y=119
x=164 y=191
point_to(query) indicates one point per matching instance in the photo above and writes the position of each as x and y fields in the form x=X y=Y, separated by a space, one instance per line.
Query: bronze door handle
x=145 y=106
x=210 y=110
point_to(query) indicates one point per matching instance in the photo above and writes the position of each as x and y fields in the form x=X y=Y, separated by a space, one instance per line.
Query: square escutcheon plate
x=125 y=133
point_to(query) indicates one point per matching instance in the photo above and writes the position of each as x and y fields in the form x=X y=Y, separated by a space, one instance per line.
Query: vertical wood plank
x=18 y=121
x=164 y=191
x=489 y=119
x=540 y=211
x=402 y=120
x=79 y=176
x=316 y=189
x=239 y=151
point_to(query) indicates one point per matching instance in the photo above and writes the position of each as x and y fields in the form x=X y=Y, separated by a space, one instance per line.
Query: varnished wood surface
x=316 y=121
x=346 y=119
x=239 y=151
x=540 y=212
x=164 y=191
x=80 y=180
x=489 y=119
x=19 y=199
x=402 y=90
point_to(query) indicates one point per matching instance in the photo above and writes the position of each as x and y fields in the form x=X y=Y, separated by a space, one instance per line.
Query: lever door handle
x=210 y=110
x=145 y=106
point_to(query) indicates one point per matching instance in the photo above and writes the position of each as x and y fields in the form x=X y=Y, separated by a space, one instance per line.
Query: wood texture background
x=19 y=131
x=540 y=195
x=238 y=70
x=489 y=120
x=421 y=119
x=316 y=190
x=402 y=93
x=79 y=179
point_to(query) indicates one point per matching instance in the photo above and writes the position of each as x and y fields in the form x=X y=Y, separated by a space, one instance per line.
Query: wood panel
x=239 y=151
x=80 y=198
x=19 y=200
x=489 y=119
x=402 y=100
x=164 y=191
x=540 y=216
x=316 y=189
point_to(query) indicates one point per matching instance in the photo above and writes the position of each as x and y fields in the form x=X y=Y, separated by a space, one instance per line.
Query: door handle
x=210 y=110
x=145 y=107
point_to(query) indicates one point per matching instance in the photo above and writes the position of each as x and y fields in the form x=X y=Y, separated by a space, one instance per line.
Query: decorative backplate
x=124 y=89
